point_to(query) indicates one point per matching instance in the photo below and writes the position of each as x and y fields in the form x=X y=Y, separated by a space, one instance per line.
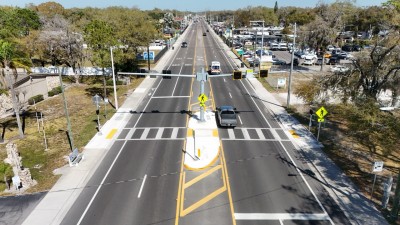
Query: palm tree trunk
x=15 y=104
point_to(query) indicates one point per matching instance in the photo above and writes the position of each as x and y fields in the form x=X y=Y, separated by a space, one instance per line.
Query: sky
x=183 y=5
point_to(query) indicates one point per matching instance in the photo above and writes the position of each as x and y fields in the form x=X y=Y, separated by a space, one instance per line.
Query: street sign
x=321 y=112
x=148 y=55
x=378 y=167
x=202 y=98
x=320 y=120
x=96 y=99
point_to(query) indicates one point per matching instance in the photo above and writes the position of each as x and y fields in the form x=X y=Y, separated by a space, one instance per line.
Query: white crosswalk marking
x=130 y=133
x=276 y=136
x=145 y=133
x=231 y=134
x=174 y=133
x=246 y=134
x=159 y=133
x=260 y=134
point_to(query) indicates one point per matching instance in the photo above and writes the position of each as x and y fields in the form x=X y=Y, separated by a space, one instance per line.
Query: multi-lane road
x=258 y=178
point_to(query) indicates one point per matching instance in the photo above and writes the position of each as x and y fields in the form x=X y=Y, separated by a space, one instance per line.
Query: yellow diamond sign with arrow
x=321 y=112
x=202 y=98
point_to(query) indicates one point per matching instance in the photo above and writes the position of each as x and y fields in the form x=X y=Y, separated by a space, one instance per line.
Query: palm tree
x=10 y=61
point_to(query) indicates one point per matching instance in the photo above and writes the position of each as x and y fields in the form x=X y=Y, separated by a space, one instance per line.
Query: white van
x=215 y=67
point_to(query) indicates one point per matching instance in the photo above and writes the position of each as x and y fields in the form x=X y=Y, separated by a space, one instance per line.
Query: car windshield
x=228 y=114
x=215 y=67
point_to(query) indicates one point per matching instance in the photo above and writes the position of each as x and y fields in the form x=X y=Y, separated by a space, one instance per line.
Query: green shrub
x=110 y=82
x=35 y=99
x=54 y=91
x=3 y=91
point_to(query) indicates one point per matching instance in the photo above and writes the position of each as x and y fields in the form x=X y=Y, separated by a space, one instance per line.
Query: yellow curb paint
x=189 y=132
x=203 y=201
x=111 y=134
x=198 y=153
x=294 y=134
x=202 y=176
x=215 y=133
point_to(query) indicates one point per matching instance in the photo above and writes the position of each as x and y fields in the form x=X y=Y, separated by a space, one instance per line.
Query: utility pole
x=69 y=132
x=15 y=104
x=113 y=74
x=291 y=68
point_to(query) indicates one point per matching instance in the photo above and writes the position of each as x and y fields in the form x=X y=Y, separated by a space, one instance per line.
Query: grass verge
x=42 y=162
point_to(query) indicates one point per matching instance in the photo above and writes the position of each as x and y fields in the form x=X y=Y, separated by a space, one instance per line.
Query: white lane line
x=231 y=134
x=260 y=134
x=230 y=95
x=141 y=187
x=280 y=222
x=240 y=120
x=101 y=184
x=184 y=96
x=281 y=216
x=224 y=79
x=246 y=134
x=145 y=133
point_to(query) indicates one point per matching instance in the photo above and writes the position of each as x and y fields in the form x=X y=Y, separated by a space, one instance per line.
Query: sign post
x=378 y=167
x=321 y=113
x=96 y=100
x=202 y=77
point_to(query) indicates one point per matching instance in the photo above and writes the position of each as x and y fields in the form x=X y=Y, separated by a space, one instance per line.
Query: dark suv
x=184 y=44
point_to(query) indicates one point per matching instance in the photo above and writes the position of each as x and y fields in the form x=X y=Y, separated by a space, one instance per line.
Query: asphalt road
x=259 y=177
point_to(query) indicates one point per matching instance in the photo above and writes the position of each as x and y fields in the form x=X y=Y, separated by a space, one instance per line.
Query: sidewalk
x=357 y=208
x=57 y=202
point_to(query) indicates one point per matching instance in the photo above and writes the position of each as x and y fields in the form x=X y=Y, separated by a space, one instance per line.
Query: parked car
x=333 y=60
x=278 y=62
x=347 y=48
x=339 y=69
x=309 y=61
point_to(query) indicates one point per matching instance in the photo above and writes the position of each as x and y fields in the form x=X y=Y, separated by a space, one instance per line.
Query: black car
x=278 y=62
x=204 y=34
x=184 y=44
x=347 y=48
x=333 y=60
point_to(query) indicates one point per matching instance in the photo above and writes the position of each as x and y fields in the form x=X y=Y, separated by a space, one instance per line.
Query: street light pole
x=291 y=68
x=114 y=82
x=71 y=140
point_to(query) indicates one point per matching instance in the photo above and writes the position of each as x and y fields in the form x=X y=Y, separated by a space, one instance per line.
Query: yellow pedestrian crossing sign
x=321 y=112
x=202 y=98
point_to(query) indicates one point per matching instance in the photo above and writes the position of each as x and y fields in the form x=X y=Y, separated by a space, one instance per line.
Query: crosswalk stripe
x=159 y=133
x=145 y=133
x=260 y=134
x=246 y=134
x=130 y=133
x=276 y=136
x=174 y=133
x=231 y=134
